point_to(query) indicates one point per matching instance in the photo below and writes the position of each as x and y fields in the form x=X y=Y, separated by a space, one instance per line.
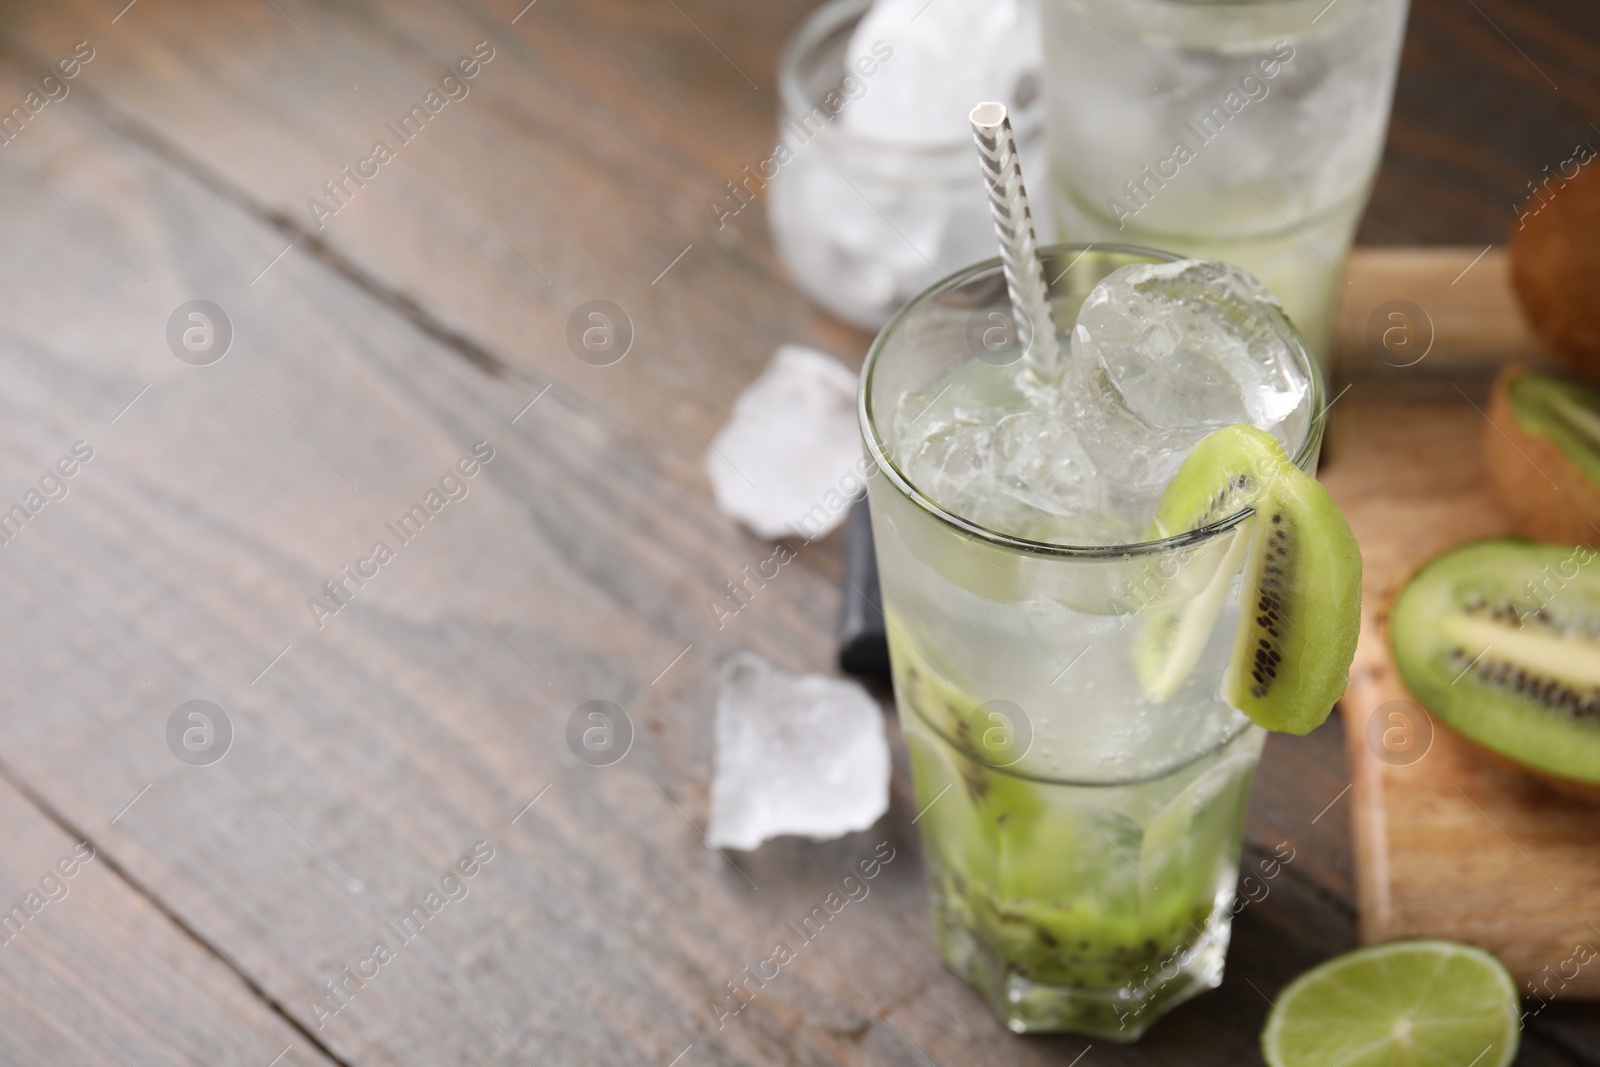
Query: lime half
x=1410 y=1003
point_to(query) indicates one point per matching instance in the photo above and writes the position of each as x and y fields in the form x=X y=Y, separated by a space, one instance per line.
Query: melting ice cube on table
x=795 y=754
x=790 y=448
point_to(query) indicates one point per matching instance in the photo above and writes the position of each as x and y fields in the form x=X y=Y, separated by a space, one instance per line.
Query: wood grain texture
x=581 y=164
x=1405 y=305
x=92 y=973
x=371 y=754
x=1490 y=93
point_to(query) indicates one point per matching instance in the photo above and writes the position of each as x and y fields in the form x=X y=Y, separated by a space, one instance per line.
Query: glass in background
x=1247 y=132
x=875 y=187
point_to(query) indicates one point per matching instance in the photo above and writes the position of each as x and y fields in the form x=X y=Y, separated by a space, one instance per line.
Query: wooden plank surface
x=1414 y=323
x=91 y=972
x=372 y=754
x=619 y=121
x=1489 y=95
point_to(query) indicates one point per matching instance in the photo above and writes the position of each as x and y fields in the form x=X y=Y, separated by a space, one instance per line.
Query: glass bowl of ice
x=875 y=191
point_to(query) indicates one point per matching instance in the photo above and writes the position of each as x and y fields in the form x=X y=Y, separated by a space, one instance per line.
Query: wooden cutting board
x=1449 y=843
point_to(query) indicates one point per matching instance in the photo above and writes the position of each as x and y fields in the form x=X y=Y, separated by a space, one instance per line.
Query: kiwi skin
x=1555 y=269
x=1546 y=495
x=1300 y=596
x=1502 y=574
x=1299 y=538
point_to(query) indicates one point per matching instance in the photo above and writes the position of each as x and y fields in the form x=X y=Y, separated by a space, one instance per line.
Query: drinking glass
x=1081 y=838
x=1246 y=132
x=865 y=224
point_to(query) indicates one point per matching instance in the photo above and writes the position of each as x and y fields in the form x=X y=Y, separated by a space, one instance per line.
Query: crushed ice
x=888 y=200
x=947 y=56
x=1161 y=355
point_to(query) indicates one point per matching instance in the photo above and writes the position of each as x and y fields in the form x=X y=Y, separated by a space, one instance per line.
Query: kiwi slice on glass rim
x=1500 y=640
x=1300 y=602
x=1542 y=448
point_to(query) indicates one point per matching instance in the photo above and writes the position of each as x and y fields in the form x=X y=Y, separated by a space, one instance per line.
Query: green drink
x=1118 y=893
x=1063 y=680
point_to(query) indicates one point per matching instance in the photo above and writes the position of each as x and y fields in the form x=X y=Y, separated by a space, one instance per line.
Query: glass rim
x=880 y=457
x=795 y=101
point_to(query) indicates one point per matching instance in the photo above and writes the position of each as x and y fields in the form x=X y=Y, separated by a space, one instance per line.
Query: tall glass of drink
x=1081 y=827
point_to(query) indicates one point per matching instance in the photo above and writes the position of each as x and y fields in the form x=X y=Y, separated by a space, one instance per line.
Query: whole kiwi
x=1555 y=264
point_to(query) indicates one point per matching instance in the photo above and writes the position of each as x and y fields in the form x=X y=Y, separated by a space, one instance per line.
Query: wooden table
x=422 y=725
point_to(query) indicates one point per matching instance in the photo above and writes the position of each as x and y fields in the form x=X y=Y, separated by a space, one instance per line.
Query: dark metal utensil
x=863 y=644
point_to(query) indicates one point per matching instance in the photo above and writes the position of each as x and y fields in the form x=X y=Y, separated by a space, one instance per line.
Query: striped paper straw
x=1019 y=249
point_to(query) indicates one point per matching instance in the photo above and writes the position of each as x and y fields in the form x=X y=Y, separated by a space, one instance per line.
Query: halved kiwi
x=1300 y=602
x=1500 y=639
x=1542 y=448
